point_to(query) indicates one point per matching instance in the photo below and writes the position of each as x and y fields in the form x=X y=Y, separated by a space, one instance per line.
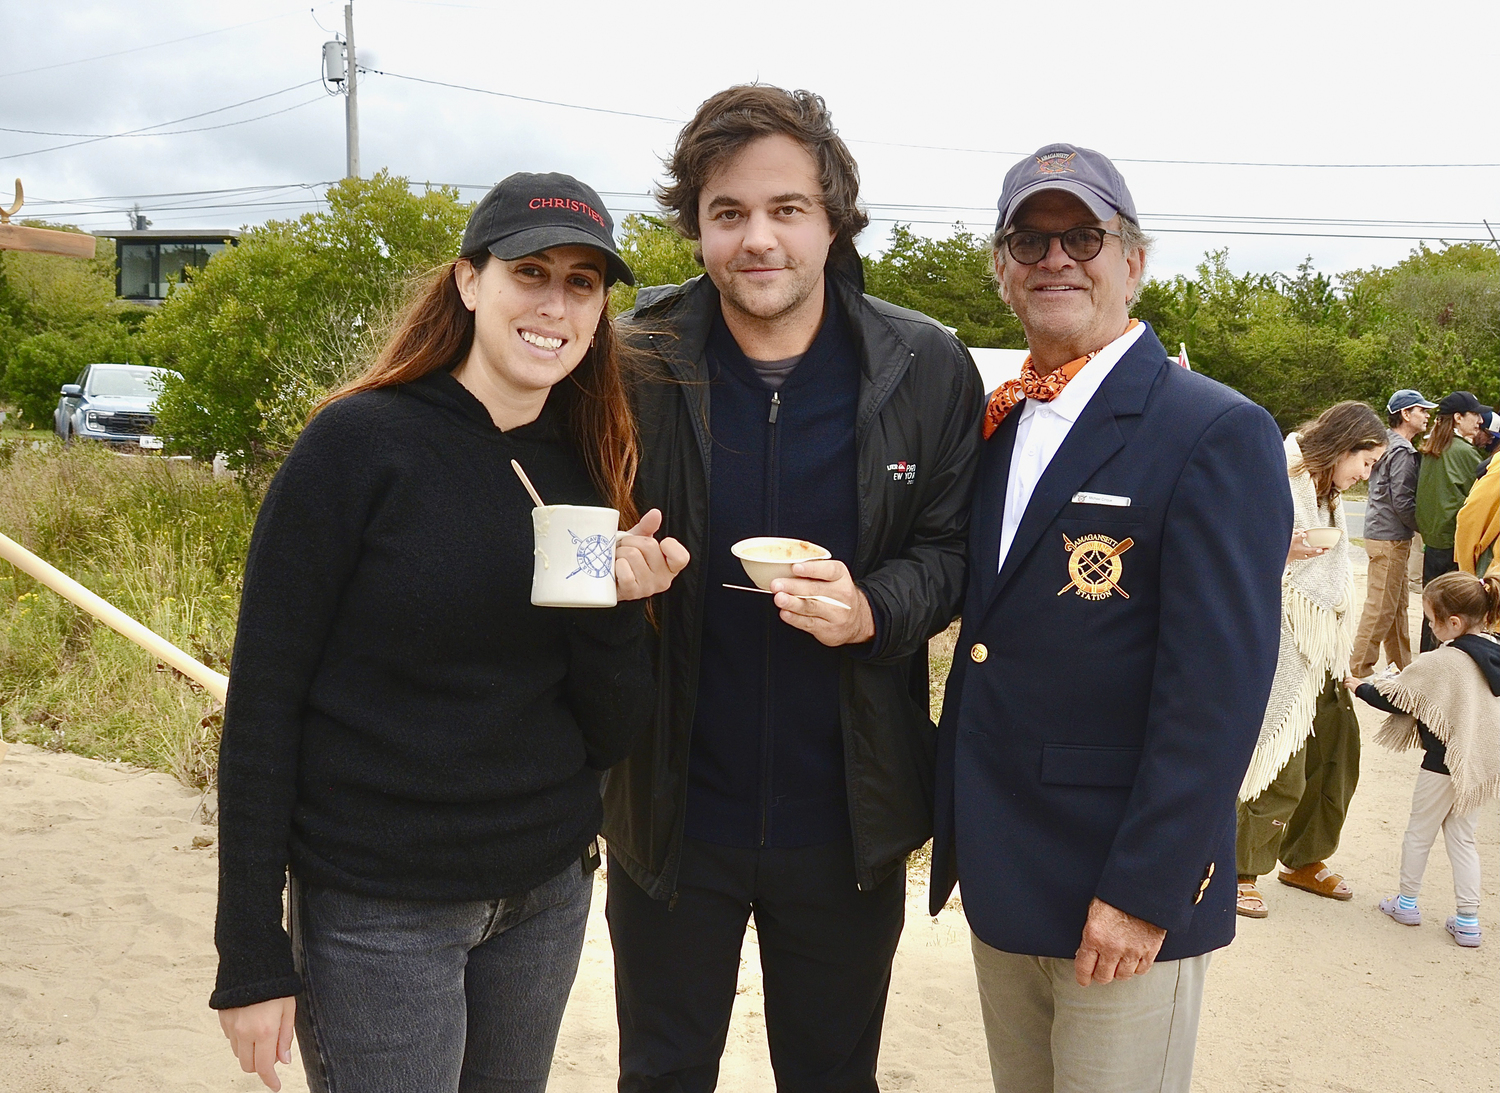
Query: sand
x=106 y=907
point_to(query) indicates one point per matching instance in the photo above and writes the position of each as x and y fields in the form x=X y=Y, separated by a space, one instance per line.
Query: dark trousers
x=1435 y=562
x=825 y=954
x=443 y=997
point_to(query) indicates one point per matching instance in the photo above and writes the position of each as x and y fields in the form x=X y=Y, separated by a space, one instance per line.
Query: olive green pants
x=1299 y=816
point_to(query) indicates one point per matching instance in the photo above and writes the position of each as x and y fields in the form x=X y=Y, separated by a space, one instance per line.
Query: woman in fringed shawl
x=1306 y=763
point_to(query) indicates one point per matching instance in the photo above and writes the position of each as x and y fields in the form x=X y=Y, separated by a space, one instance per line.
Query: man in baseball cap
x=1390 y=524
x=527 y=214
x=1130 y=523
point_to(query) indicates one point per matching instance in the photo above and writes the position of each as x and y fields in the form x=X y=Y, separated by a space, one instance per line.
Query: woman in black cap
x=1449 y=459
x=419 y=745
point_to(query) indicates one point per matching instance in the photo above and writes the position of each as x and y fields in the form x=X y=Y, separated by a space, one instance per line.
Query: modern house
x=148 y=262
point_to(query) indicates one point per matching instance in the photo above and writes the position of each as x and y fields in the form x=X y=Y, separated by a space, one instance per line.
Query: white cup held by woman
x=574 y=562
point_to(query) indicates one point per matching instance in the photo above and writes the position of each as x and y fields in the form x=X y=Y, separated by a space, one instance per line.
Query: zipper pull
x=775 y=405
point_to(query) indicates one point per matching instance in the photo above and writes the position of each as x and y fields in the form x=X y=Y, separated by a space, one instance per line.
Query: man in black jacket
x=789 y=770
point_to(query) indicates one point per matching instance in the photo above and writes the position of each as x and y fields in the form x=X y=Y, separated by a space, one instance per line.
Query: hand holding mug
x=644 y=566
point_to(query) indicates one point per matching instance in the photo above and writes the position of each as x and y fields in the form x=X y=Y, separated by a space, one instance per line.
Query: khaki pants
x=1431 y=811
x=1046 y=1034
x=1383 y=621
x=1299 y=817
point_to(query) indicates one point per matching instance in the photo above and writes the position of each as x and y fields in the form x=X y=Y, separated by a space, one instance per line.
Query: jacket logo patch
x=1094 y=566
x=902 y=471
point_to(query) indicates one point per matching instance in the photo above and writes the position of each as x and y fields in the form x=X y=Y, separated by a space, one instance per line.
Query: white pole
x=215 y=683
x=351 y=102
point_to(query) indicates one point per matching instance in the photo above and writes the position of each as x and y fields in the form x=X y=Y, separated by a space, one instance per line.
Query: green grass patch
x=162 y=540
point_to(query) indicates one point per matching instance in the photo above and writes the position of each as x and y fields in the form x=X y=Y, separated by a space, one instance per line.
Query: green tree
x=56 y=315
x=949 y=279
x=270 y=326
x=656 y=254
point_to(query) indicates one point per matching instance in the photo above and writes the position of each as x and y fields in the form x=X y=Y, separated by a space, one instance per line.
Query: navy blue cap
x=1086 y=174
x=526 y=214
x=1405 y=399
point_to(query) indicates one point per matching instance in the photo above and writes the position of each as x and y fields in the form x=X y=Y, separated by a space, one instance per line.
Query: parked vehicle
x=114 y=403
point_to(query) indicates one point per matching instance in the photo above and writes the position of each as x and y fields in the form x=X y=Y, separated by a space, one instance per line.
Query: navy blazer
x=1102 y=710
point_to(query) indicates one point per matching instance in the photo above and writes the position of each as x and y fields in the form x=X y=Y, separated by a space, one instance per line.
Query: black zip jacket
x=917 y=437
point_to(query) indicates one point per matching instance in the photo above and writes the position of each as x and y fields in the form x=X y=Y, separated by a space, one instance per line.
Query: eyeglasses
x=1080 y=244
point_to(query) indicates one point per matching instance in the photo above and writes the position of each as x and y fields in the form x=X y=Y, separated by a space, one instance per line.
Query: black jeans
x=825 y=952
x=1435 y=562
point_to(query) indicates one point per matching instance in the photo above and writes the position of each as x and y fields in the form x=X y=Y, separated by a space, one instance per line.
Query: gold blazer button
x=979 y=654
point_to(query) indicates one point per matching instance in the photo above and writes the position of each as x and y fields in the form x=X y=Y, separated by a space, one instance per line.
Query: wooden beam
x=45 y=241
x=215 y=683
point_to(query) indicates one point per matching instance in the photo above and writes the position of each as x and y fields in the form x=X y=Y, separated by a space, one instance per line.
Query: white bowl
x=1323 y=537
x=766 y=557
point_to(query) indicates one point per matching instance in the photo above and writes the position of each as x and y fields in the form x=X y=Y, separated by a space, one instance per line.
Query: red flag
x=1182 y=356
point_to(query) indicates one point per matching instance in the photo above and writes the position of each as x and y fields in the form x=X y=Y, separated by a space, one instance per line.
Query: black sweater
x=402 y=722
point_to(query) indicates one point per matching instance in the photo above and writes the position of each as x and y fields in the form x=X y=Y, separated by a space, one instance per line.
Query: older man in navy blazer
x=1120 y=632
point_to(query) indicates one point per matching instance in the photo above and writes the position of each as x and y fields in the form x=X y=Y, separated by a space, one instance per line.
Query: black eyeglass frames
x=1080 y=244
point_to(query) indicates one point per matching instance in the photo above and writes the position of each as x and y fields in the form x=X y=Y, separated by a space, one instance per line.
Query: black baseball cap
x=1086 y=174
x=1463 y=402
x=527 y=214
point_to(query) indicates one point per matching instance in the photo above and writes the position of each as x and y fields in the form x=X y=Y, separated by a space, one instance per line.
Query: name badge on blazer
x=1114 y=500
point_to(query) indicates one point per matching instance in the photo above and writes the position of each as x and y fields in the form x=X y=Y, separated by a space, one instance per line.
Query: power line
x=521 y=98
x=172 y=132
x=176 y=121
x=1179 y=162
x=931 y=147
x=173 y=193
x=1230 y=231
x=640 y=196
x=153 y=45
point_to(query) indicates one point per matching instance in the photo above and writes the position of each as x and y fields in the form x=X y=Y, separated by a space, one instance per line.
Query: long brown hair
x=436 y=330
x=1441 y=436
x=1340 y=430
x=1475 y=601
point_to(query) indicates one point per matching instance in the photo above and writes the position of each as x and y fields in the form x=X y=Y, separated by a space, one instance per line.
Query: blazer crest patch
x=1094 y=566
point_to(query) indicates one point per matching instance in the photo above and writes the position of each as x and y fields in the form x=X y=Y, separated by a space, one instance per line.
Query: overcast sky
x=1303 y=82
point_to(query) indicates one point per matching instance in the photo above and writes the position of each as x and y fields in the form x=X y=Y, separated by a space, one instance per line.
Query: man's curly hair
x=730 y=120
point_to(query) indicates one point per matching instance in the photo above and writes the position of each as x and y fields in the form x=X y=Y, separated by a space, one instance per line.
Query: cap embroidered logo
x=1057 y=163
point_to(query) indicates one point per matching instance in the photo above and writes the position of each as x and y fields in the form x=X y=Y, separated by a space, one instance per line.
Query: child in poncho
x=1448 y=701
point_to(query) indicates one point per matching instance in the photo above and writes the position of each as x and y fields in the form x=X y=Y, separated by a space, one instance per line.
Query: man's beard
x=768 y=308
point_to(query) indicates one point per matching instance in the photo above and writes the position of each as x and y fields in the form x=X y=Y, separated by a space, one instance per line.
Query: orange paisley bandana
x=1030 y=385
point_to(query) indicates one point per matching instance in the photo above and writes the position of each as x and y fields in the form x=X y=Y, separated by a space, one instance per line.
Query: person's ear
x=1135 y=267
x=466 y=278
x=999 y=265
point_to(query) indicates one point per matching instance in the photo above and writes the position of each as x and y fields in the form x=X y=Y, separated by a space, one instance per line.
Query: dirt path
x=107 y=907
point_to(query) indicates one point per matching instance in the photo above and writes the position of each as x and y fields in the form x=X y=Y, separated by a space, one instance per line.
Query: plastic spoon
x=821 y=599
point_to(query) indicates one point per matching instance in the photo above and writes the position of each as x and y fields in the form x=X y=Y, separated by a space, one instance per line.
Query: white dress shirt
x=1043 y=428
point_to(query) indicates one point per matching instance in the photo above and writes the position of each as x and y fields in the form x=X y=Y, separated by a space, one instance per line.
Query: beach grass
x=164 y=541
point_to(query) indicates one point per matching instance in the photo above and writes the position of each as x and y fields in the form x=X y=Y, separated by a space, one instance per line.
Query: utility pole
x=351 y=102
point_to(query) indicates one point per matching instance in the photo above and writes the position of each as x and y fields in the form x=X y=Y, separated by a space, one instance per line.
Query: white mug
x=574 y=557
